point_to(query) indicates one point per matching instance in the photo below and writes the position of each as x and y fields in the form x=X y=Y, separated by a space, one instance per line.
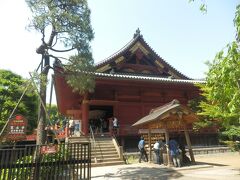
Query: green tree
x=11 y=88
x=54 y=115
x=222 y=90
x=65 y=26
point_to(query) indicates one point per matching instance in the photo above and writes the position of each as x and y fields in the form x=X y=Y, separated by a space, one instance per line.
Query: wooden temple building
x=129 y=84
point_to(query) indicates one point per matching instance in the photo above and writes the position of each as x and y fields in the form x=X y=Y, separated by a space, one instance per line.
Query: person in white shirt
x=115 y=125
x=71 y=126
x=156 y=148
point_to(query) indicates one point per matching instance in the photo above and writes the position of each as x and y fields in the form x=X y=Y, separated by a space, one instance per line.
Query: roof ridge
x=171 y=103
x=119 y=51
x=138 y=37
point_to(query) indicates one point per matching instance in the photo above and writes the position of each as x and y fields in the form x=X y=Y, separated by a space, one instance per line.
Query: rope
x=44 y=107
x=24 y=92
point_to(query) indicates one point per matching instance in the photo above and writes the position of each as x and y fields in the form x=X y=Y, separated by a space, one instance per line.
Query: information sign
x=17 y=128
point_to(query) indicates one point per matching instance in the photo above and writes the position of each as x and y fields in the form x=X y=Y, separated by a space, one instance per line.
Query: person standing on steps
x=115 y=125
x=141 y=147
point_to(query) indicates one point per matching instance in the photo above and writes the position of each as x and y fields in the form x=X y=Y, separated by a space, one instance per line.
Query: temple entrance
x=99 y=117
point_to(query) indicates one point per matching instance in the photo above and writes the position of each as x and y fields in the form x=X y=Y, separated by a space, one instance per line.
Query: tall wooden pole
x=188 y=143
x=41 y=133
x=168 y=151
x=149 y=145
x=43 y=50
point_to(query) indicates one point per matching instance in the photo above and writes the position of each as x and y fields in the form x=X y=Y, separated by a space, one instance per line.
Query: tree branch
x=55 y=50
x=51 y=38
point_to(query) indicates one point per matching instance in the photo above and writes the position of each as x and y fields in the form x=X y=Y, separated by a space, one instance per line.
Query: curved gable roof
x=138 y=42
x=167 y=110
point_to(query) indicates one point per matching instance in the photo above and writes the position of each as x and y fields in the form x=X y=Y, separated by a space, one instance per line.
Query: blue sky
x=175 y=29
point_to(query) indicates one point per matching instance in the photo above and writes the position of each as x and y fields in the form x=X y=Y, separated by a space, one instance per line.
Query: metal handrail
x=120 y=150
x=93 y=142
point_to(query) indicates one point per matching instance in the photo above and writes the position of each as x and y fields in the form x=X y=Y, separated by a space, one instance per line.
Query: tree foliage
x=65 y=26
x=222 y=88
x=69 y=22
x=54 y=115
x=204 y=120
x=11 y=88
x=80 y=76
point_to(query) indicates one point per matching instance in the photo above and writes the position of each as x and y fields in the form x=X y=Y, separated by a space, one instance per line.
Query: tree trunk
x=85 y=114
x=41 y=132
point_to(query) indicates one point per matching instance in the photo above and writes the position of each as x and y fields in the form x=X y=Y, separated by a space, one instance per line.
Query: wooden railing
x=93 y=142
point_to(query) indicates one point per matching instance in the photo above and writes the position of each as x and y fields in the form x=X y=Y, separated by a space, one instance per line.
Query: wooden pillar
x=188 y=143
x=85 y=115
x=110 y=126
x=122 y=142
x=168 y=152
x=149 y=145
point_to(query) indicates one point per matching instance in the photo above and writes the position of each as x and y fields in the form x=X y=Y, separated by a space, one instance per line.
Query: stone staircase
x=104 y=150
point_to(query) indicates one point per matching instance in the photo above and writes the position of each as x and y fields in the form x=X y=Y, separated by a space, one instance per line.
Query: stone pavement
x=214 y=166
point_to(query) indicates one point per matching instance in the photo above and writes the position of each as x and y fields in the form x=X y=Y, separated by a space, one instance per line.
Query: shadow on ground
x=212 y=164
x=142 y=173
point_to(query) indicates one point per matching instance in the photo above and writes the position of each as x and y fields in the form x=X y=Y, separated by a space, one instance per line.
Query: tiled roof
x=158 y=113
x=119 y=52
x=147 y=78
x=137 y=37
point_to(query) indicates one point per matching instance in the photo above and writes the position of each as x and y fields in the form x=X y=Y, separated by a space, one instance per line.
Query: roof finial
x=137 y=33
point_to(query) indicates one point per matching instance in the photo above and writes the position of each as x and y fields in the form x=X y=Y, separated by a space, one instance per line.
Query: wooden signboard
x=17 y=128
x=48 y=149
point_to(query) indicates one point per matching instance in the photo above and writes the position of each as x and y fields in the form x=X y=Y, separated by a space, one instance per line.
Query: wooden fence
x=62 y=161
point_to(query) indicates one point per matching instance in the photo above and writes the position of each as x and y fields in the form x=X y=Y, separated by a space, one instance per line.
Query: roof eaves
x=126 y=77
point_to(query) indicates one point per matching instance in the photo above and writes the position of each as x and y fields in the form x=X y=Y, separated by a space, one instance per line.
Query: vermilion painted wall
x=130 y=99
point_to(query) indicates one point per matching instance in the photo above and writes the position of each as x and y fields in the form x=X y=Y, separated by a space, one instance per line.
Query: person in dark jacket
x=141 y=148
x=174 y=152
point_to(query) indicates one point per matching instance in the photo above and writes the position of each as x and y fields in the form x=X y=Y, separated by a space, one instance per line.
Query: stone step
x=105 y=156
x=103 y=148
x=107 y=159
x=104 y=142
x=104 y=152
x=98 y=153
x=110 y=163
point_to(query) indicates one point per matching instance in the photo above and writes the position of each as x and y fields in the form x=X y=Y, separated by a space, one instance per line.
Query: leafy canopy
x=65 y=26
x=222 y=88
x=68 y=21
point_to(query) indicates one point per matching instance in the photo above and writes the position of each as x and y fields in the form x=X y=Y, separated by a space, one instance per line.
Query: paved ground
x=208 y=167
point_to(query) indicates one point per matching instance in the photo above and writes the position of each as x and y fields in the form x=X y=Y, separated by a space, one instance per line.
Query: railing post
x=121 y=152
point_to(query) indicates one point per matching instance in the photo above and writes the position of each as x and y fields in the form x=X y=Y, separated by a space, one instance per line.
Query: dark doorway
x=99 y=117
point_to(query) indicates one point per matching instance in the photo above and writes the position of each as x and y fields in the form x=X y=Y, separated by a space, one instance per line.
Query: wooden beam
x=102 y=102
x=188 y=143
x=168 y=151
x=149 y=145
